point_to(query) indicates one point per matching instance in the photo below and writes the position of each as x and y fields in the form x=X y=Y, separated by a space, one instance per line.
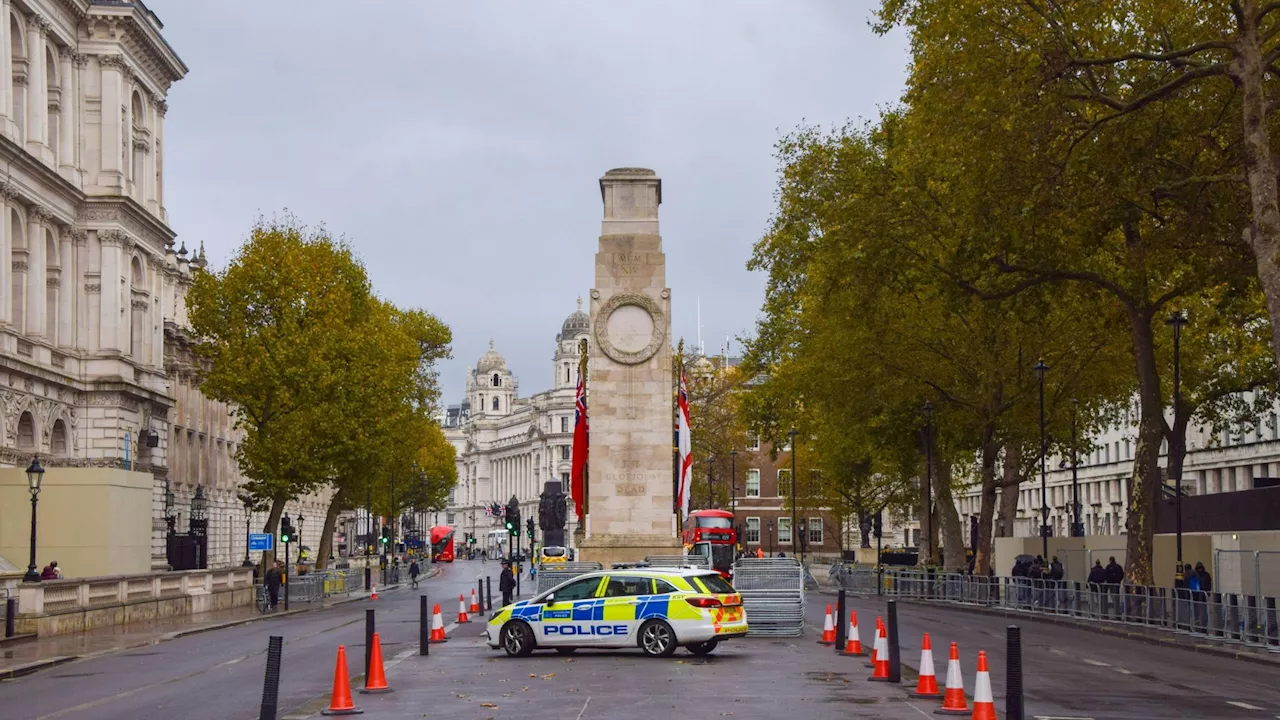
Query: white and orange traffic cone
x=852 y=644
x=437 y=626
x=475 y=606
x=927 y=685
x=828 y=630
x=882 y=657
x=875 y=641
x=984 y=706
x=953 y=700
x=462 y=610
x=340 y=703
x=374 y=594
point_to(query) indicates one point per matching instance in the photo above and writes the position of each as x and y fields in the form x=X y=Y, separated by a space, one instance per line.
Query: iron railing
x=773 y=594
x=1240 y=618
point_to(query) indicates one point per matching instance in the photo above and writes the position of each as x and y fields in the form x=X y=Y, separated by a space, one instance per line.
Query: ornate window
x=26 y=432
x=58 y=438
x=495 y=402
x=497 y=382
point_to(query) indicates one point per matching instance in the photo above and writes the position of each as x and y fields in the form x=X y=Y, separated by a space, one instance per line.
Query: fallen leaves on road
x=524 y=689
x=548 y=676
x=488 y=705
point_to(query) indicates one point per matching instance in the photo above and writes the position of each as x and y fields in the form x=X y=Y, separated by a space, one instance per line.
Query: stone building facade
x=508 y=445
x=95 y=369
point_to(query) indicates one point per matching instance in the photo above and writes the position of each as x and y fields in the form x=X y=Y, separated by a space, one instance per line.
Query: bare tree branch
x=1154 y=57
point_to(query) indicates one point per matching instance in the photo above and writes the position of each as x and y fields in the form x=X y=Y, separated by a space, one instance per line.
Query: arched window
x=51 y=90
x=481 y=408
x=18 y=276
x=495 y=403
x=139 y=124
x=566 y=372
x=26 y=432
x=497 y=381
x=135 y=324
x=58 y=438
x=18 y=53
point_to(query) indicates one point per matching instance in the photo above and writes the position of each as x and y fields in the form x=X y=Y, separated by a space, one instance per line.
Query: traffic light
x=508 y=518
x=876 y=525
x=531 y=527
x=286 y=529
x=386 y=535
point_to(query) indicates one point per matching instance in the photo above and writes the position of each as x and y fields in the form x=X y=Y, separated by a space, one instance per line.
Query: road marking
x=1099 y=663
x=1244 y=705
x=1123 y=671
x=1058 y=717
x=584 y=708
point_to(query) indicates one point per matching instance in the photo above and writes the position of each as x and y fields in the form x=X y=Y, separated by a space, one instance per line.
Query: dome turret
x=578 y=323
x=491 y=361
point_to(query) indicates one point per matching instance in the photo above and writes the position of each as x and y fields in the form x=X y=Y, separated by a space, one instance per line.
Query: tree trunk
x=1144 y=485
x=326 y=533
x=1260 y=166
x=952 y=534
x=990 y=450
x=273 y=522
x=1178 y=446
x=1010 y=485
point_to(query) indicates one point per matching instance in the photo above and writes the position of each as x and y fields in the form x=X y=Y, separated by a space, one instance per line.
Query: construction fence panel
x=773 y=594
x=552 y=574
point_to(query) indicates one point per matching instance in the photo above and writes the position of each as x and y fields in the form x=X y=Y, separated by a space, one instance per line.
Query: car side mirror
x=549 y=599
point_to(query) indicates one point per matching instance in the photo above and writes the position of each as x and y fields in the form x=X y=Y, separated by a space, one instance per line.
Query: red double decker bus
x=711 y=533
x=442 y=544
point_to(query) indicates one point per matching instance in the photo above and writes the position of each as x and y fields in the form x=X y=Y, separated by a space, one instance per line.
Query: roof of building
x=491 y=361
x=576 y=324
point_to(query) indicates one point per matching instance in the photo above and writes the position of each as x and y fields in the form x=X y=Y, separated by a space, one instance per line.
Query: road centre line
x=1244 y=705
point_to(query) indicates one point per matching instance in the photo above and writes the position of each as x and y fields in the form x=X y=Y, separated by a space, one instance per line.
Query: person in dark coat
x=1115 y=573
x=1098 y=575
x=274 y=579
x=506 y=583
x=414 y=571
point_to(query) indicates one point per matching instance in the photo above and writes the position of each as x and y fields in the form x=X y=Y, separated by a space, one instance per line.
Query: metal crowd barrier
x=552 y=574
x=1249 y=620
x=700 y=562
x=773 y=594
x=316 y=586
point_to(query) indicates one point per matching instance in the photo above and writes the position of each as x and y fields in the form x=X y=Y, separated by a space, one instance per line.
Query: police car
x=655 y=610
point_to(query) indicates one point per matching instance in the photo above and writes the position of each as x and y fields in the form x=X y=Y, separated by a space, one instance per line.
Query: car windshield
x=553 y=552
x=722 y=523
x=716 y=584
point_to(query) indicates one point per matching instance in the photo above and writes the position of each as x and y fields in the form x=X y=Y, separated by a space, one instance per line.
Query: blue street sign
x=260 y=541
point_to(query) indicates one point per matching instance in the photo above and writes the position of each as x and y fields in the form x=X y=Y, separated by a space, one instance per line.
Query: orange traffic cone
x=341 y=703
x=475 y=606
x=376 y=681
x=437 y=626
x=984 y=706
x=875 y=641
x=462 y=610
x=882 y=657
x=828 y=630
x=853 y=645
x=927 y=686
x=953 y=701
x=374 y=594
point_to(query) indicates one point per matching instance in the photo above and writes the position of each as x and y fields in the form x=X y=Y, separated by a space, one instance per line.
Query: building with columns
x=96 y=374
x=508 y=445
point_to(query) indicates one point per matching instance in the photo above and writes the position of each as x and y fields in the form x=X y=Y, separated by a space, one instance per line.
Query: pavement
x=218 y=673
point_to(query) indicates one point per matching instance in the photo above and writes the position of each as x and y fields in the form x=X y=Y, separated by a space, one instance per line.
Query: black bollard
x=10 y=616
x=895 y=665
x=368 y=577
x=488 y=592
x=424 y=626
x=841 y=625
x=1013 y=706
x=480 y=590
x=368 y=639
x=271 y=682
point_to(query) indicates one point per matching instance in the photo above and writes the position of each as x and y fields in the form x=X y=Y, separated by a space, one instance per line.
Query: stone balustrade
x=73 y=605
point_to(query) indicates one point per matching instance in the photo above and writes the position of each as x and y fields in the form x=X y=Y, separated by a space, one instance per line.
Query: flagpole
x=675 y=435
x=586 y=467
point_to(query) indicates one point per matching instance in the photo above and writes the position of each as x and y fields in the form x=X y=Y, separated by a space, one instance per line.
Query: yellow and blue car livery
x=655 y=610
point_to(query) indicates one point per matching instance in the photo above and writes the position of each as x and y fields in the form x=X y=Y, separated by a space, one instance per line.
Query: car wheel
x=702 y=648
x=517 y=639
x=566 y=651
x=657 y=639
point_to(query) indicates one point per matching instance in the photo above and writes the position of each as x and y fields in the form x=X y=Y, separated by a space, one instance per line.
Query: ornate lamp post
x=769 y=524
x=793 y=434
x=1077 y=525
x=248 y=507
x=1041 y=369
x=928 y=483
x=1177 y=320
x=198 y=525
x=35 y=474
x=803 y=539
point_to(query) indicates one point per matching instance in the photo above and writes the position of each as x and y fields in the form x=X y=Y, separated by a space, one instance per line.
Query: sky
x=458 y=145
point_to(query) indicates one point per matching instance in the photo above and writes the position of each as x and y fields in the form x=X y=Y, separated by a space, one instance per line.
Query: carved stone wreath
x=644 y=302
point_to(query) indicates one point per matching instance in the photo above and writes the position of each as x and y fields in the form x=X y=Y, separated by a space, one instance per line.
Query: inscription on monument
x=631 y=490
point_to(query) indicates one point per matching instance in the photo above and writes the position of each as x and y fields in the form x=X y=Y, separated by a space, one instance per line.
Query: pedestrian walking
x=506 y=582
x=1115 y=576
x=274 y=578
x=414 y=570
x=1056 y=573
x=1097 y=583
x=1204 y=583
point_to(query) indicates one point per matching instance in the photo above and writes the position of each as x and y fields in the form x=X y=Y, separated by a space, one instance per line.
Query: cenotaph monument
x=630 y=500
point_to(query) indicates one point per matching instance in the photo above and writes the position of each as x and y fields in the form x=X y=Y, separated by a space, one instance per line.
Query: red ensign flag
x=577 y=476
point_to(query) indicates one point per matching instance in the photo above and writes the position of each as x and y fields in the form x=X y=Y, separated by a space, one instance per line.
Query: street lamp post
x=793 y=434
x=710 y=499
x=803 y=539
x=248 y=507
x=198 y=526
x=769 y=525
x=1177 y=320
x=1077 y=525
x=928 y=483
x=35 y=474
x=1041 y=369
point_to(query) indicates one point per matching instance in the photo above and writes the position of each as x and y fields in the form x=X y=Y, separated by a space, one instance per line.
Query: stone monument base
x=609 y=549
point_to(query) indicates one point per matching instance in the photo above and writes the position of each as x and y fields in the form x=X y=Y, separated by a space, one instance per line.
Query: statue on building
x=552 y=513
